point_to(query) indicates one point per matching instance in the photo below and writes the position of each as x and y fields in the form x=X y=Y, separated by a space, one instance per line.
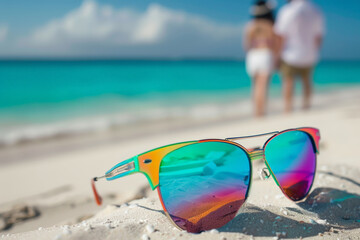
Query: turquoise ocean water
x=34 y=93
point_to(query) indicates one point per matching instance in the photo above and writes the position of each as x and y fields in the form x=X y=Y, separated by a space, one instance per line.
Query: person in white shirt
x=300 y=27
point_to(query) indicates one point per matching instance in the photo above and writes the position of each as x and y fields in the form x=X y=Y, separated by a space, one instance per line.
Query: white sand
x=58 y=184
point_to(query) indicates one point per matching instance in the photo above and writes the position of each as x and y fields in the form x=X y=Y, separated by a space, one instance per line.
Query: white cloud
x=99 y=28
x=3 y=32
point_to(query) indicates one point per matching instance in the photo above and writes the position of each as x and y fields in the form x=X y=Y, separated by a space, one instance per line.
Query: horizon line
x=155 y=59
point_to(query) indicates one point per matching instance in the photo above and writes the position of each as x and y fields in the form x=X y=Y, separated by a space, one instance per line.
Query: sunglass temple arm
x=122 y=169
x=98 y=198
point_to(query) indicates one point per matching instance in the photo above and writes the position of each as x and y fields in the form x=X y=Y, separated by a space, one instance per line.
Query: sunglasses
x=202 y=184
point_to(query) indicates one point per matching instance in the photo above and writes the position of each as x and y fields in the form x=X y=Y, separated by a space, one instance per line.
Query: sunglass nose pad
x=264 y=174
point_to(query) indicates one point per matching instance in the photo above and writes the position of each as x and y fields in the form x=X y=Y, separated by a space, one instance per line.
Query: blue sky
x=143 y=28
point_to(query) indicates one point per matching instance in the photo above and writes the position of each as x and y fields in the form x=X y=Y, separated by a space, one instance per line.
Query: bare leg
x=307 y=91
x=260 y=93
x=288 y=91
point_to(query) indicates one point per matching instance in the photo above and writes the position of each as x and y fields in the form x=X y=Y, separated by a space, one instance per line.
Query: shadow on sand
x=339 y=208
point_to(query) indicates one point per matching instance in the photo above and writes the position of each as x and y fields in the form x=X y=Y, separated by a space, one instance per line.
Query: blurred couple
x=290 y=43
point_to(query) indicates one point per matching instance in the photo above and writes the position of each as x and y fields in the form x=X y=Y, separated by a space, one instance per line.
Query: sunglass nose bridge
x=257 y=154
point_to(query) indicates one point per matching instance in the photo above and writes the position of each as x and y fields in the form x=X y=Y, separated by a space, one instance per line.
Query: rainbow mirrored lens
x=292 y=159
x=203 y=185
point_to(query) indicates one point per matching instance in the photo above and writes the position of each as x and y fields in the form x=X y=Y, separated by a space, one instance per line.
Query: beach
x=48 y=180
x=196 y=120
